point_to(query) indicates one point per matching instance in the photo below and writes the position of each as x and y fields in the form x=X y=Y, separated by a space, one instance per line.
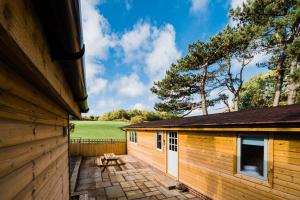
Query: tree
x=137 y=119
x=193 y=77
x=280 y=21
x=239 y=44
x=258 y=92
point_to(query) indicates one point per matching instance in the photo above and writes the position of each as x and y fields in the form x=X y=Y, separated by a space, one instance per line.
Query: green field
x=98 y=129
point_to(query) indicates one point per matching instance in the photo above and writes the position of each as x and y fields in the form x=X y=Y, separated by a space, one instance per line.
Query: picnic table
x=109 y=159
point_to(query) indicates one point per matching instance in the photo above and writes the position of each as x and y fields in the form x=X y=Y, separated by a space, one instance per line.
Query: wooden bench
x=102 y=162
x=121 y=161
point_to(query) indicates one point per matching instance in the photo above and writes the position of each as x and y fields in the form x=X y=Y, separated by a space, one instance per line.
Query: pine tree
x=280 y=20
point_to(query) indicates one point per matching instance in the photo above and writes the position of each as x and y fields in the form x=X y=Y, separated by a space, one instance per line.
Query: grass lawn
x=98 y=129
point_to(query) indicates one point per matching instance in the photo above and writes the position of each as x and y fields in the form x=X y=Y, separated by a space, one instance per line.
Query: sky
x=131 y=43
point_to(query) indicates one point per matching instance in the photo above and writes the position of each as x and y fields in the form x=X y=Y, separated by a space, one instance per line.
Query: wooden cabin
x=42 y=83
x=251 y=154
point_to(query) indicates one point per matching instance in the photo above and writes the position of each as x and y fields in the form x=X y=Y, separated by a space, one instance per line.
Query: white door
x=172 y=154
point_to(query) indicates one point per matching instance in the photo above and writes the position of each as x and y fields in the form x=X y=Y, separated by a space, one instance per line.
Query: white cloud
x=99 y=85
x=108 y=105
x=95 y=30
x=135 y=42
x=129 y=86
x=237 y=3
x=163 y=54
x=97 y=41
x=198 y=6
x=150 y=46
x=139 y=106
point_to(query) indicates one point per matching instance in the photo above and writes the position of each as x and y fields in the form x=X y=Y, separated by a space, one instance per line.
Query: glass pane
x=257 y=141
x=176 y=148
x=252 y=159
x=159 y=145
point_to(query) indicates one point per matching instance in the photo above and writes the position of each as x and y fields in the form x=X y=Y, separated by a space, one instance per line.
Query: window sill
x=159 y=149
x=254 y=180
x=135 y=143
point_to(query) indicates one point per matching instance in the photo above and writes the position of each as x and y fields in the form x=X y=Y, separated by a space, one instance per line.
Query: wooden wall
x=33 y=150
x=34 y=99
x=94 y=149
x=207 y=164
x=145 y=149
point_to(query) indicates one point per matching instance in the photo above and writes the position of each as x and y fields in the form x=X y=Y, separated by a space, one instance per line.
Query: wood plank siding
x=207 y=164
x=145 y=149
x=35 y=102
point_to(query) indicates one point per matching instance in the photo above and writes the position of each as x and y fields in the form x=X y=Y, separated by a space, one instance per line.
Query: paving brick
x=122 y=198
x=160 y=196
x=153 y=189
x=103 y=184
x=128 y=184
x=145 y=189
x=168 y=193
x=126 y=189
x=96 y=192
x=129 y=178
x=117 y=178
x=135 y=194
x=135 y=181
x=181 y=197
x=171 y=198
x=114 y=192
x=189 y=196
x=150 y=184
x=152 y=193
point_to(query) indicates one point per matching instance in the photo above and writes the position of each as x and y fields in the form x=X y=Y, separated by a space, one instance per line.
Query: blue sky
x=131 y=43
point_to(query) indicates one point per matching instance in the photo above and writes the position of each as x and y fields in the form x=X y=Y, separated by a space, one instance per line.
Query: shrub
x=137 y=119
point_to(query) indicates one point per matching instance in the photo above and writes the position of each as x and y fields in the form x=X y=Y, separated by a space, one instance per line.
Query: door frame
x=167 y=155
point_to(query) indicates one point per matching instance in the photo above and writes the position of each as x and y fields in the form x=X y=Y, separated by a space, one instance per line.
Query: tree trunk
x=293 y=85
x=279 y=82
x=203 y=103
x=237 y=103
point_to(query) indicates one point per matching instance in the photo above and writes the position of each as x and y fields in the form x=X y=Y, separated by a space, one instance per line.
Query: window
x=253 y=156
x=159 y=140
x=172 y=141
x=132 y=136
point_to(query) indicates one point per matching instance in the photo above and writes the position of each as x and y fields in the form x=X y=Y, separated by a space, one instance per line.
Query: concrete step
x=166 y=181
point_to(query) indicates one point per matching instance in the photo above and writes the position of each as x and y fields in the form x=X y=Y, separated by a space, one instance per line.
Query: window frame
x=133 y=137
x=161 y=140
x=266 y=157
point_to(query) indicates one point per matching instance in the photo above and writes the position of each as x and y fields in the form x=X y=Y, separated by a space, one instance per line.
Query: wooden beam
x=258 y=129
x=24 y=48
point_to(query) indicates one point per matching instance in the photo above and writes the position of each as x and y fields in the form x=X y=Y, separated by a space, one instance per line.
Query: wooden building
x=251 y=154
x=42 y=83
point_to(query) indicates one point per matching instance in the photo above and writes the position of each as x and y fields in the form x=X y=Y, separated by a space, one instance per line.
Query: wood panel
x=18 y=132
x=24 y=47
x=13 y=107
x=206 y=163
x=35 y=103
x=118 y=148
x=11 y=82
x=145 y=149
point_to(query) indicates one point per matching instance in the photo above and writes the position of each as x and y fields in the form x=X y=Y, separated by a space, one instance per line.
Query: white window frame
x=266 y=156
x=161 y=134
x=133 y=137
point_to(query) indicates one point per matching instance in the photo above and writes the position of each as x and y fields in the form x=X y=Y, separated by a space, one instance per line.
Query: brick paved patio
x=134 y=181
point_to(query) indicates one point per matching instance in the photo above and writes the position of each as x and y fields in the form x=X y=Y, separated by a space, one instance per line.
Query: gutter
x=61 y=21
